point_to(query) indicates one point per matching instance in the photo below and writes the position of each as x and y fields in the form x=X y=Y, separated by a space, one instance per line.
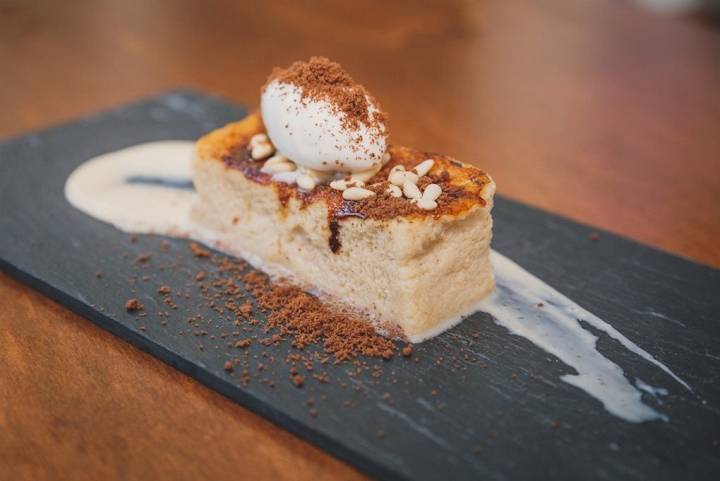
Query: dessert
x=391 y=233
x=310 y=189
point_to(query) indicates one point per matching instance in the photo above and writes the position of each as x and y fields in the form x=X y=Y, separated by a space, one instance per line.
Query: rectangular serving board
x=473 y=403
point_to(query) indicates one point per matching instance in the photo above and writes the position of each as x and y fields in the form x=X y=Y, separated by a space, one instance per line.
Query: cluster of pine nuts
x=281 y=168
x=353 y=187
x=402 y=182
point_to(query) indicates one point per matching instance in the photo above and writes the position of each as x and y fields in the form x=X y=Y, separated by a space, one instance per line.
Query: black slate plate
x=471 y=407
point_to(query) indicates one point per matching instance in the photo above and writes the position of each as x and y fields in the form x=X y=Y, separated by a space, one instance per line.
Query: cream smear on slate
x=147 y=188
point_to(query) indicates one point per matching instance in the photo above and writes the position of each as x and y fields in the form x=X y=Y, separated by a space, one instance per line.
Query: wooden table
x=593 y=110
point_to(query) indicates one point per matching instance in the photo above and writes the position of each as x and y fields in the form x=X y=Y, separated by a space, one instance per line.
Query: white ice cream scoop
x=315 y=134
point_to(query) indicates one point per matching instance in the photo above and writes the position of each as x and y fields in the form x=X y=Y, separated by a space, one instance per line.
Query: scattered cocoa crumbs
x=322 y=378
x=380 y=434
x=235 y=293
x=133 y=305
x=594 y=236
x=307 y=320
x=246 y=310
x=407 y=351
x=99 y=274
x=143 y=258
x=164 y=245
x=321 y=79
x=313 y=412
x=297 y=379
x=198 y=251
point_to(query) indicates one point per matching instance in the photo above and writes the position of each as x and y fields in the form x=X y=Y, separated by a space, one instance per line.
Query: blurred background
x=606 y=111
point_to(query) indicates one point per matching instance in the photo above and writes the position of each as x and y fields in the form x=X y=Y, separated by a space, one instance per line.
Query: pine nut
x=357 y=193
x=394 y=190
x=427 y=204
x=286 y=177
x=262 y=150
x=278 y=167
x=432 y=192
x=319 y=176
x=424 y=167
x=258 y=139
x=386 y=158
x=365 y=175
x=412 y=177
x=340 y=184
x=275 y=159
x=305 y=182
x=397 y=178
x=411 y=190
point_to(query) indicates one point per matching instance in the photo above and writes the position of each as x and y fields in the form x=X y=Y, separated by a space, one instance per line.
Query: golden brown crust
x=225 y=140
x=464 y=186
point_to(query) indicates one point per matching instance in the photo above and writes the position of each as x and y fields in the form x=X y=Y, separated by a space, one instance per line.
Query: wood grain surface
x=592 y=110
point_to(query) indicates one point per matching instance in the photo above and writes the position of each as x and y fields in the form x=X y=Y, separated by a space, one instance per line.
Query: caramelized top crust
x=464 y=186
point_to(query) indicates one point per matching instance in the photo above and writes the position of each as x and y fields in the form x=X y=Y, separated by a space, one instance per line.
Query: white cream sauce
x=124 y=188
x=147 y=189
x=555 y=328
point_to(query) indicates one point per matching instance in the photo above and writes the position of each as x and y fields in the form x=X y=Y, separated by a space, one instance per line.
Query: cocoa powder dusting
x=321 y=79
x=306 y=320
x=262 y=322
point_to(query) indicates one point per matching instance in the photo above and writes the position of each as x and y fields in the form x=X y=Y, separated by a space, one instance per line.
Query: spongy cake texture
x=418 y=270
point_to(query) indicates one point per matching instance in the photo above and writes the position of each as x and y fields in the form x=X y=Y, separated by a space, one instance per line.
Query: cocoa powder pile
x=321 y=79
x=252 y=318
x=291 y=312
x=249 y=320
x=307 y=320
